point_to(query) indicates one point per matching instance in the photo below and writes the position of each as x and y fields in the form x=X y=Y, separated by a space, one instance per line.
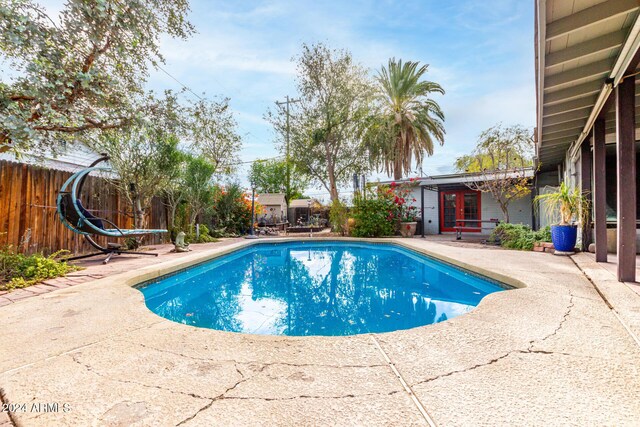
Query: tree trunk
x=138 y=218
x=397 y=162
x=172 y=215
x=333 y=189
x=505 y=211
x=397 y=171
x=138 y=214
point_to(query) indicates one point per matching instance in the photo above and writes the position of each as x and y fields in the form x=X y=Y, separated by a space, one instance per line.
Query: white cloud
x=479 y=51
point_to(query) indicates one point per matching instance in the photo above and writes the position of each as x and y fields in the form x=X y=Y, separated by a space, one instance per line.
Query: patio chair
x=77 y=219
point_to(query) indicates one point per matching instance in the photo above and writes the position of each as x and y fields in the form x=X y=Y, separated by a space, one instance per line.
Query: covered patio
x=586 y=65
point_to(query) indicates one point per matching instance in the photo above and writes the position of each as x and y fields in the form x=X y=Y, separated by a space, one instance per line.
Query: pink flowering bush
x=401 y=194
x=378 y=214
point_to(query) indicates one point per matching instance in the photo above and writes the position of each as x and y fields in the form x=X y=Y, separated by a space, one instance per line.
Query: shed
x=275 y=206
x=301 y=209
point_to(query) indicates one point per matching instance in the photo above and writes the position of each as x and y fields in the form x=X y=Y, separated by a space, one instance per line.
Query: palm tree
x=407 y=120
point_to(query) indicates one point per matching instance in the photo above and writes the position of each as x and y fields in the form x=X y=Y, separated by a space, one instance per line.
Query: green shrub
x=519 y=236
x=338 y=217
x=231 y=210
x=19 y=271
x=374 y=217
x=204 y=236
x=131 y=243
x=543 y=235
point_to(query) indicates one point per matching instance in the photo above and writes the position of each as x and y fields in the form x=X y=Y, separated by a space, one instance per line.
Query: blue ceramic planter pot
x=564 y=237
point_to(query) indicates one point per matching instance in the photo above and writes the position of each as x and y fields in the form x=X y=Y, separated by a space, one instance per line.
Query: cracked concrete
x=549 y=353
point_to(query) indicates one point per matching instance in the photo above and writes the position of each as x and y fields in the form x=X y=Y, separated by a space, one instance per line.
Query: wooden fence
x=29 y=220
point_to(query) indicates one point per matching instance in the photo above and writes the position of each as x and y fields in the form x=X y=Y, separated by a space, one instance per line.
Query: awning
x=583 y=49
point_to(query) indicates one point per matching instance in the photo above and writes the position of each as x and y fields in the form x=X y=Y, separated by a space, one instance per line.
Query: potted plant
x=407 y=214
x=408 y=221
x=573 y=207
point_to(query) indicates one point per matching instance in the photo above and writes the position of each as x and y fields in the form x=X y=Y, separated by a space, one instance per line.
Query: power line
x=180 y=83
x=247 y=134
x=253 y=136
x=255 y=161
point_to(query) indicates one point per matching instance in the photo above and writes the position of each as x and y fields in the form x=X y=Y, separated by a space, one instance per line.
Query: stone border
x=137 y=277
x=172 y=267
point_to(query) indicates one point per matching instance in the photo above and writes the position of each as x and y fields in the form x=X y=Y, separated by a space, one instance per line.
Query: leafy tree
x=198 y=187
x=174 y=191
x=212 y=130
x=232 y=209
x=407 y=120
x=145 y=161
x=83 y=71
x=334 y=94
x=270 y=176
x=500 y=161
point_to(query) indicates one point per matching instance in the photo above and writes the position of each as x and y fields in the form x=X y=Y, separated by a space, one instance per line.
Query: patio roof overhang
x=583 y=49
x=463 y=177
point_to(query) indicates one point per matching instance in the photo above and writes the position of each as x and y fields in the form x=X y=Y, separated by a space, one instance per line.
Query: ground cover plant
x=519 y=236
x=203 y=235
x=19 y=271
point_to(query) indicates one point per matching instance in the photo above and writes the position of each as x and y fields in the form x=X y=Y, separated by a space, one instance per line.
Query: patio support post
x=626 y=176
x=599 y=190
x=422 y=208
x=585 y=184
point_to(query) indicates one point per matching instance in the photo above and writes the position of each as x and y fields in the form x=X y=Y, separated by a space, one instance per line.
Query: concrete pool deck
x=562 y=350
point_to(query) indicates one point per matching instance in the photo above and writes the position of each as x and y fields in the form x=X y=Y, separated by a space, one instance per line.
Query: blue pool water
x=317 y=288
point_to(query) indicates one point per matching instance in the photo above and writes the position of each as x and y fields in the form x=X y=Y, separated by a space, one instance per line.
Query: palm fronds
x=407 y=123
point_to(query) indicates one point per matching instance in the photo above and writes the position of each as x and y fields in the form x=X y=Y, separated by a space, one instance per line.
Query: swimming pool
x=317 y=288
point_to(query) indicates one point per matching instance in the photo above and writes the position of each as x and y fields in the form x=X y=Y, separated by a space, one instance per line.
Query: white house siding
x=519 y=210
x=431 y=215
x=547 y=183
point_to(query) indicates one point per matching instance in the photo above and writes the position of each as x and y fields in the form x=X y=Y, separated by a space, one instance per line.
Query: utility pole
x=288 y=165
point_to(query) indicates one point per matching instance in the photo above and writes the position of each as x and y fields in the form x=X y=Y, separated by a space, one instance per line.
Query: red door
x=457 y=206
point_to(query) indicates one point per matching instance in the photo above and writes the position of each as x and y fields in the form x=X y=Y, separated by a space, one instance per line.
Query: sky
x=480 y=51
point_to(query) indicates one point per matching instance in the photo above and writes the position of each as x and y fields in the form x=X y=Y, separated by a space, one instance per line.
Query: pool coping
x=140 y=277
x=480 y=273
x=477 y=272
